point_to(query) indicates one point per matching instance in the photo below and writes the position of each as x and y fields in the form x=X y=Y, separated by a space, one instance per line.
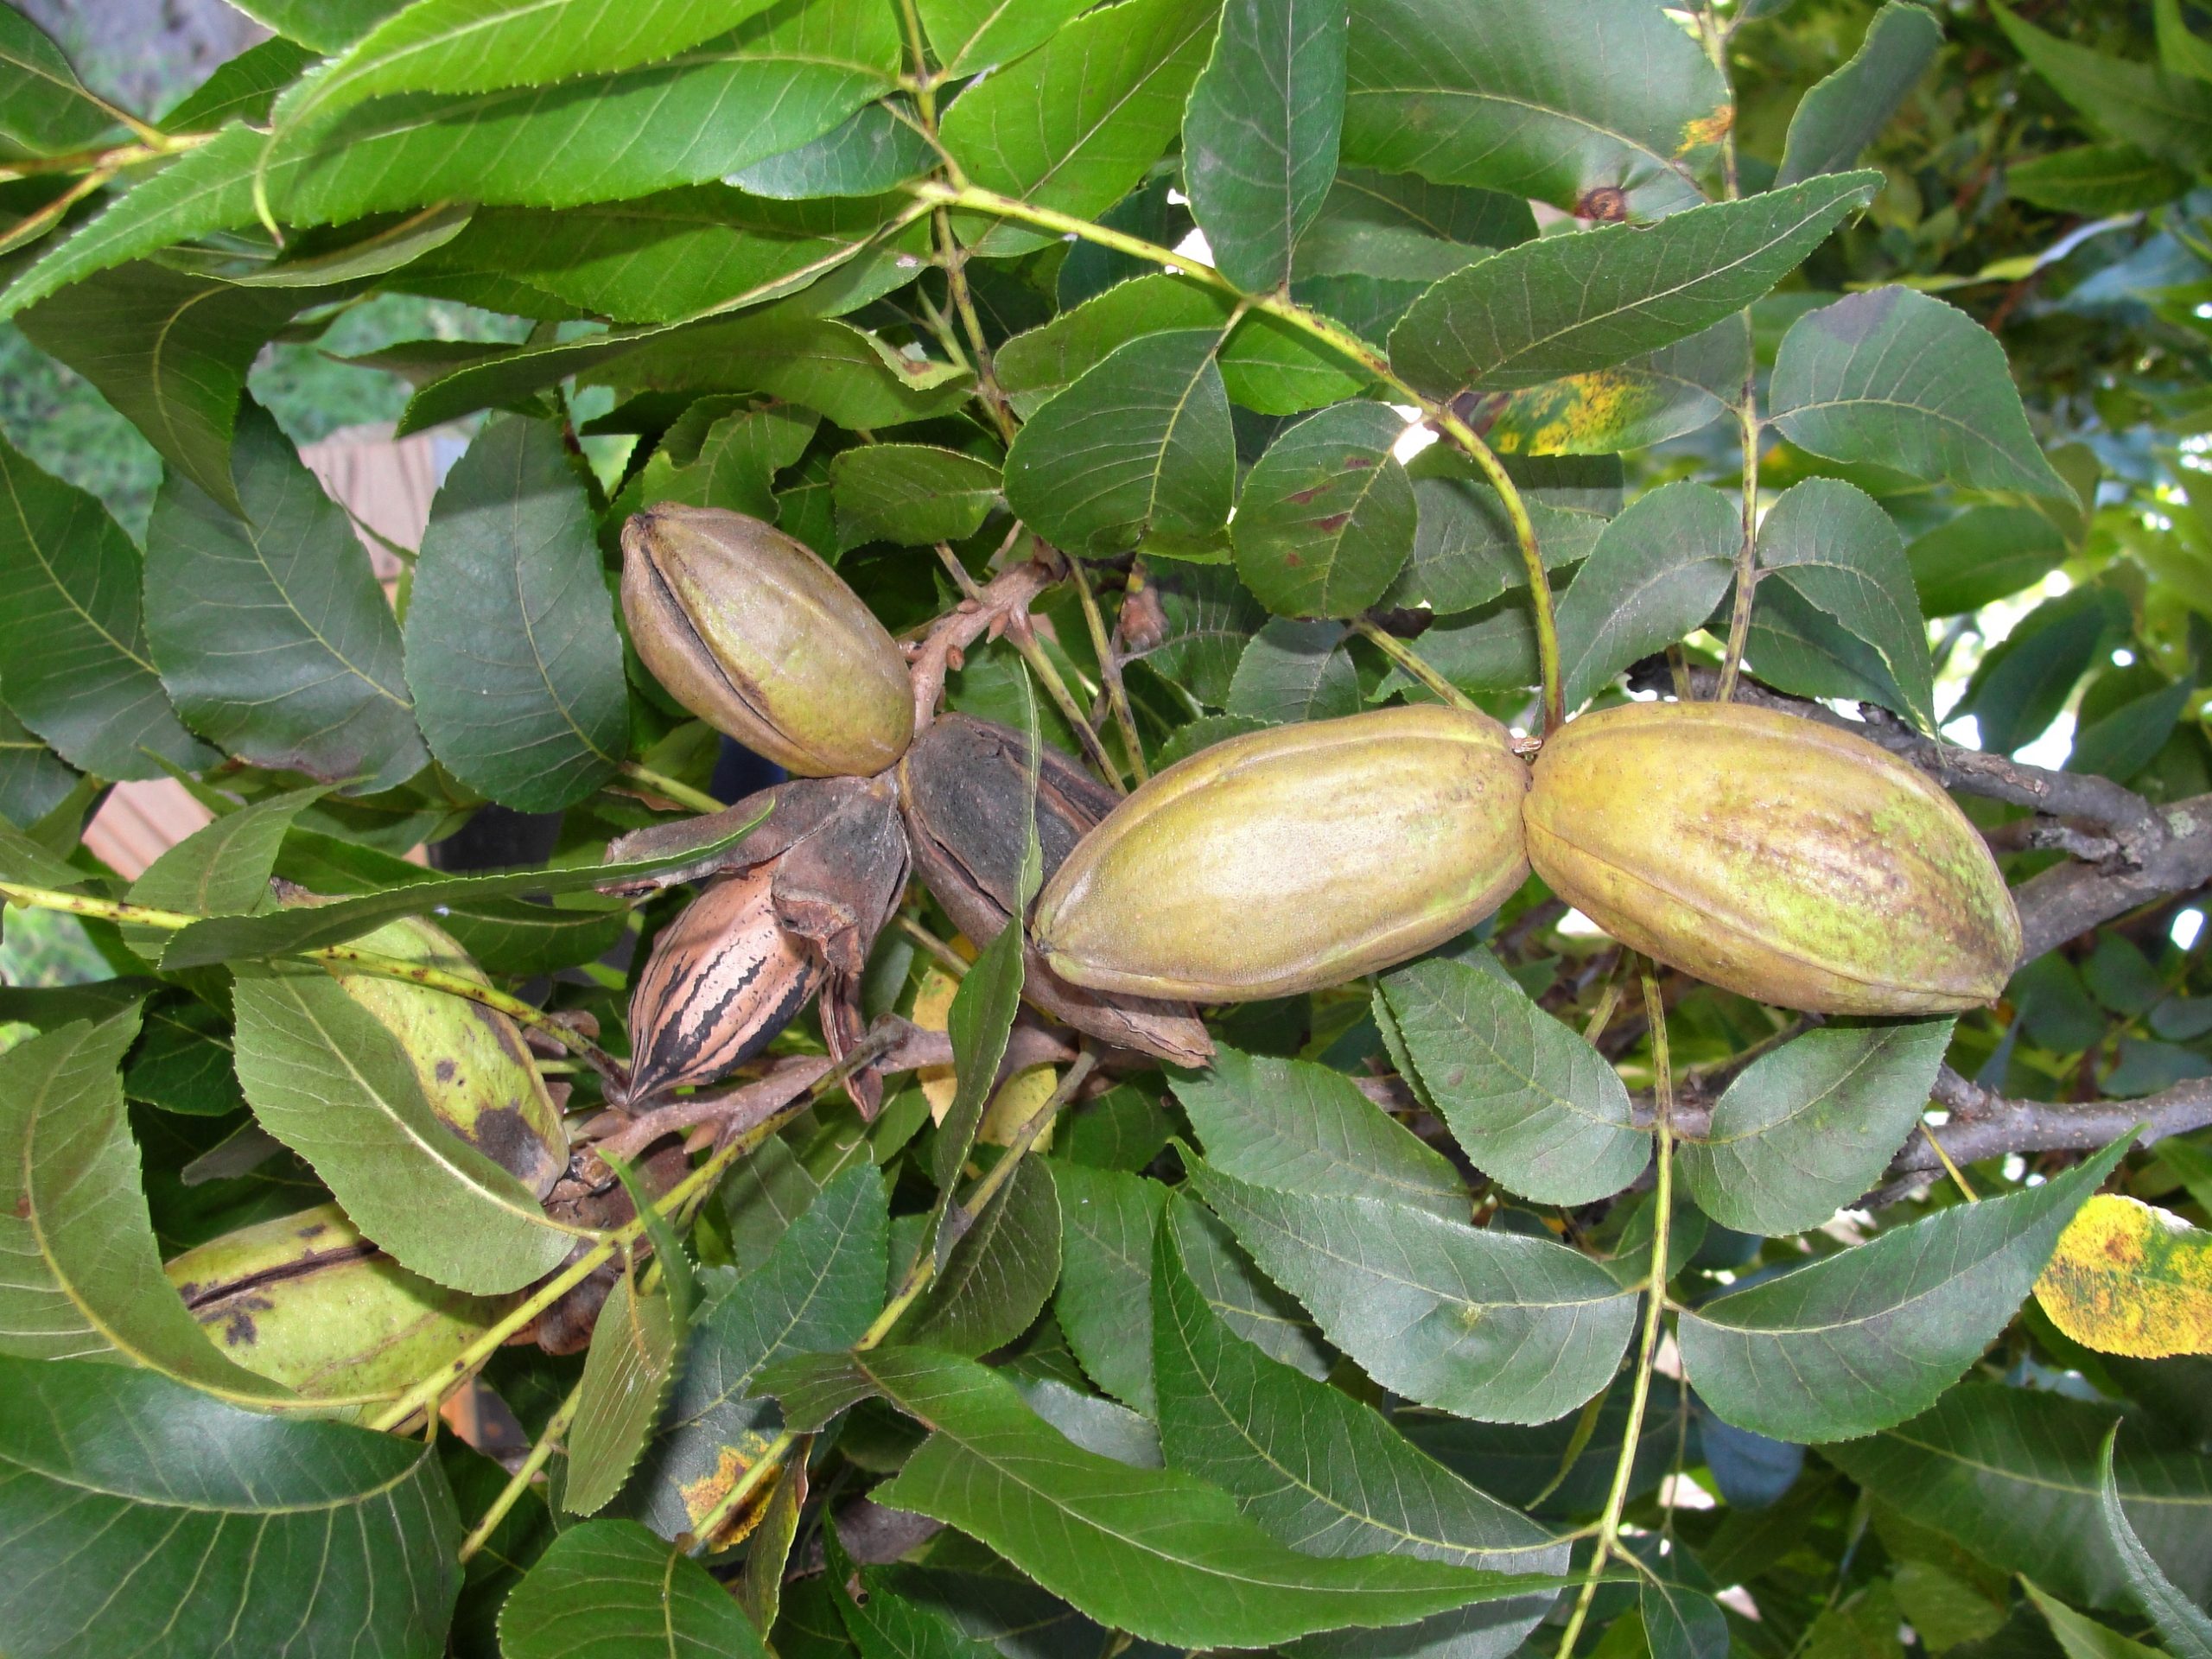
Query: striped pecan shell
x=832 y=857
x=723 y=978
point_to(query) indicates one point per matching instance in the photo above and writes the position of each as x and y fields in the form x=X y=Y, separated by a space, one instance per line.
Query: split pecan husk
x=792 y=909
x=752 y=632
x=961 y=788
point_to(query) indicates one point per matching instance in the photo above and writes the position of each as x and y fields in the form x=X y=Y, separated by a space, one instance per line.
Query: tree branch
x=1985 y=1124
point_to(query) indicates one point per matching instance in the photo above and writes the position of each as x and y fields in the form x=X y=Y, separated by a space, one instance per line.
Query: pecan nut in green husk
x=1772 y=857
x=1286 y=860
x=474 y=1068
x=762 y=640
x=307 y=1301
x=794 y=905
x=961 y=788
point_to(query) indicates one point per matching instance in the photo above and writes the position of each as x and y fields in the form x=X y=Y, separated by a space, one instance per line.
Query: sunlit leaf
x=2128 y=1278
x=1858 y=1341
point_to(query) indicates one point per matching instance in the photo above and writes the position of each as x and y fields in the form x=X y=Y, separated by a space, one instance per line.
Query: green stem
x=909 y=1289
x=1338 y=339
x=1715 y=37
x=153 y=147
x=987 y=1185
x=461 y=1365
x=770 y=1461
x=669 y=788
x=348 y=959
x=1110 y=669
x=32 y=226
x=948 y=959
x=1040 y=664
x=1609 y=1523
x=671 y=1204
x=555 y=1426
x=1403 y=655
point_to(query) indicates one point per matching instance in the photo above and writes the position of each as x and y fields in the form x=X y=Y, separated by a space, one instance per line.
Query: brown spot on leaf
x=446 y=1071
x=1333 y=523
x=1604 y=204
x=1302 y=497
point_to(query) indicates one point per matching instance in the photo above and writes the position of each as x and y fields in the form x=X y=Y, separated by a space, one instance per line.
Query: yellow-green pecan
x=307 y=1301
x=1772 y=857
x=1289 y=859
x=474 y=1068
x=758 y=638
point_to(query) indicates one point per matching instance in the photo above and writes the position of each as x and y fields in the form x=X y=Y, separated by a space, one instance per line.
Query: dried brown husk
x=961 y=789
x=826 y=865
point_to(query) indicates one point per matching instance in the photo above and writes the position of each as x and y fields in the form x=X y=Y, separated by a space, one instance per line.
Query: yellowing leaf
x=1019 y=1097
x=2130 y=1279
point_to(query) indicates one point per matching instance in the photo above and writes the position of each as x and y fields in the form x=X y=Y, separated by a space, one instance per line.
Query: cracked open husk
x=305 y=1301
x=1293 y=858
x=762 y=640
x=1773 y=857
x=961 y=788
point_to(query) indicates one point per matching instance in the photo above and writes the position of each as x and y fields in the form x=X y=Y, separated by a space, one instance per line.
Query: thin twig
x=909 y=1290
x=1024 y=635
x=340 y=959
x=1339 y=339
x=1109 y=669
x=1663 y=1198
x=1412 y=663
x=548 y=1441
x=947 y=958
x=1006 y=595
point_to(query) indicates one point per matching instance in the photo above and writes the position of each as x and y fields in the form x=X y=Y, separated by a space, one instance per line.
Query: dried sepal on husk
x=307 y=1301
x=1286 y=860
x=752 y=632
x=476 y=1070
x=961 y=787
x=794 y=907
x=1773 y=857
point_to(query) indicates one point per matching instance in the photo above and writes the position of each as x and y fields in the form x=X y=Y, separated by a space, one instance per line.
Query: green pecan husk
x=1773 y=857
x=307 y=1301
x=753 y=634
x=1286 y=860
x=961 y=788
